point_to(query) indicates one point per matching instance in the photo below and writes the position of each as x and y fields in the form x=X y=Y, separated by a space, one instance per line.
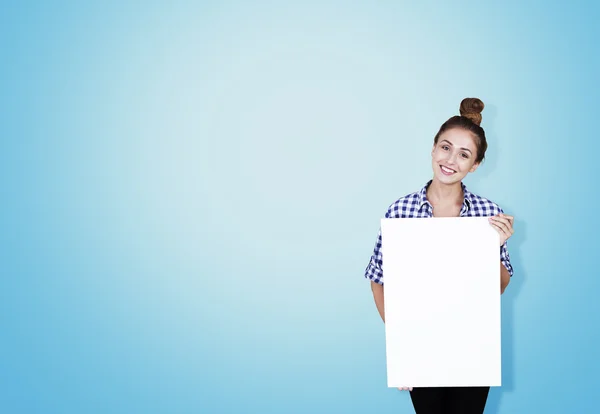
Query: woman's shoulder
x=405 y=206
x=482 y=206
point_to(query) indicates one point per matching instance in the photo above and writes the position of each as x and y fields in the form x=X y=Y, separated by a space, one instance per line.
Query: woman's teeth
x=447 y=170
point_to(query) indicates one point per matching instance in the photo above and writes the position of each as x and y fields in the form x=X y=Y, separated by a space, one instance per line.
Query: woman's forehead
x=459 y=138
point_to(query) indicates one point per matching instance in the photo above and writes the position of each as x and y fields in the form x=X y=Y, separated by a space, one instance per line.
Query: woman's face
x=453 y=157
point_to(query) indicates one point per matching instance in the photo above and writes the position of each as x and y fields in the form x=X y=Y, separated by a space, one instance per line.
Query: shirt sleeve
x=374 y=270
x=505 y=259
x=504 y=256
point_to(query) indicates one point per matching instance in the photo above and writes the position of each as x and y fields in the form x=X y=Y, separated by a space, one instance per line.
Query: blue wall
x=191 y=192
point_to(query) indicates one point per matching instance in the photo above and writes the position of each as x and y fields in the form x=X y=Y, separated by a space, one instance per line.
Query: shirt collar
x=468 y=196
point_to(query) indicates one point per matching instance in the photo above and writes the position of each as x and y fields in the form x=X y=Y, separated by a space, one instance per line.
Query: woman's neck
x=439 y=193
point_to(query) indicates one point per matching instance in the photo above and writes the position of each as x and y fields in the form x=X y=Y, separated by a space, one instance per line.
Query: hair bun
x=471 y=108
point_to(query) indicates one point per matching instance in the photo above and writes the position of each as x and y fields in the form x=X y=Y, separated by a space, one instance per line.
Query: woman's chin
x=447 y=179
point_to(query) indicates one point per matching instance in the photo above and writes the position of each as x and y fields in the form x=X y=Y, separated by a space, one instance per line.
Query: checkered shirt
x=416 y=205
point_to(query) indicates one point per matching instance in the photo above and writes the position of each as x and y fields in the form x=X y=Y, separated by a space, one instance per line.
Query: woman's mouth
x=446 y=171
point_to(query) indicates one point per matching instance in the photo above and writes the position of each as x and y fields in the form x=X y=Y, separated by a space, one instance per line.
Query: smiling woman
x=458 y=149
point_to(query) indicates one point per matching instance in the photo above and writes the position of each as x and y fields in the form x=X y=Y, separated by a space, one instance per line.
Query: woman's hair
x=469 y=120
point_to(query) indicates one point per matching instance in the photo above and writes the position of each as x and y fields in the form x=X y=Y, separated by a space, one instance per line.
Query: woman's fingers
x=497 y=227
x=502 y=231
x=504 y=223
x=508 y=220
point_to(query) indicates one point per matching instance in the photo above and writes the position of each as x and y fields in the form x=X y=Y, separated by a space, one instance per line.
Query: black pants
x=449 y=400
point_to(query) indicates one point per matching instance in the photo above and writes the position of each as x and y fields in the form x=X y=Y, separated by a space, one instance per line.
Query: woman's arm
x=378 y=296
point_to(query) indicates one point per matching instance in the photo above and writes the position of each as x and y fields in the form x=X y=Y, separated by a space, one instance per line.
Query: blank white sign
x=442 y=301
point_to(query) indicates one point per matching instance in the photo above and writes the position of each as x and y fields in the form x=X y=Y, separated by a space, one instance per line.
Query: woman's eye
x=445 y=147
x=464 y=155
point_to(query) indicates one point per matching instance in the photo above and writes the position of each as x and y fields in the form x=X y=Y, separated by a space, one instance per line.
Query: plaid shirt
x=416 y=205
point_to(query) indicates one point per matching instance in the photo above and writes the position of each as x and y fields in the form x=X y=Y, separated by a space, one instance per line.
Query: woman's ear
x=474 y=167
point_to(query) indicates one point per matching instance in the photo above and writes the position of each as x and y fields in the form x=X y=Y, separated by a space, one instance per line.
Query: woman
x=458 y=149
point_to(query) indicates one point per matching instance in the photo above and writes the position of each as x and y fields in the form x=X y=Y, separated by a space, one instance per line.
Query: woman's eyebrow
x=466 y=149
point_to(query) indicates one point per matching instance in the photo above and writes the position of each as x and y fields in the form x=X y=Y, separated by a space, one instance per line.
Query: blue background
x=191 y=193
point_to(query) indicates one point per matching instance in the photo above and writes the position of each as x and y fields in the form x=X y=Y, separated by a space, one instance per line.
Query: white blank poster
x=442 y=301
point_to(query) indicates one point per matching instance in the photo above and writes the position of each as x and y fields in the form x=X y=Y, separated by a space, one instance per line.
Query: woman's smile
x=446 y=170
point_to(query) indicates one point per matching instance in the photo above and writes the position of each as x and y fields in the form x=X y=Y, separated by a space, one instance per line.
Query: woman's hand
x=503 y=225
x=405 y=388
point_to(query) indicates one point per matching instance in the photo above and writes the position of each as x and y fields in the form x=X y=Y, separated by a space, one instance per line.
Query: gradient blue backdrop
x=191 y=192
